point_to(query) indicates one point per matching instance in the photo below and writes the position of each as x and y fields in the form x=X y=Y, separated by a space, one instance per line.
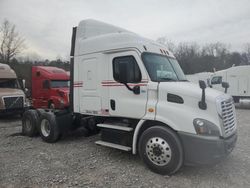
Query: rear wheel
x=161 y=150
x=40 y=111
x=30 y=122
x=49 y=130
x=91 y=126
x=236 y=99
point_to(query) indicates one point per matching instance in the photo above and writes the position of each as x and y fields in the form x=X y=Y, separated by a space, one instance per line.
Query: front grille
x=13 y=102
x=228 y=116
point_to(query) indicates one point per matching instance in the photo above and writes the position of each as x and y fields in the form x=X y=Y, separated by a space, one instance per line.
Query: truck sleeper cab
x=50 y=87
x=134 y=92
x=12 y=97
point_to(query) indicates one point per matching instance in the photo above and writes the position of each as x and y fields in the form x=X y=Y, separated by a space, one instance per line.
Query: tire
x=48 y=127
x=236 y=99
x=40 y=111
x=161 y=150
x=91 y=126
x=30 y=121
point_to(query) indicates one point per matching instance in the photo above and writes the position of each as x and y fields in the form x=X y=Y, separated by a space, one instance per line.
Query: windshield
x=12 y=83
x=59 y=83
x=162 y=68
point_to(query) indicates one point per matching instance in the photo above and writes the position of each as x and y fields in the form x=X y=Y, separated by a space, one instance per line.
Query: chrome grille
x=13 y=102
x=228 y=116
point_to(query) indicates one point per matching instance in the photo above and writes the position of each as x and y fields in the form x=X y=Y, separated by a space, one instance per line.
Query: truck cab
x=12 y=97
x=135 y=81
x=50 y=87
x=133 y=91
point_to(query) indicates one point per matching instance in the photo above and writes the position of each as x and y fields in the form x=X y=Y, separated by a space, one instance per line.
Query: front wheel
x=161 y=150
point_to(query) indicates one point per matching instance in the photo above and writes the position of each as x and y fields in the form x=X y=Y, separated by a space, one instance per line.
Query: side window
x=46 y=84
x=132 y=72
x=216 y=80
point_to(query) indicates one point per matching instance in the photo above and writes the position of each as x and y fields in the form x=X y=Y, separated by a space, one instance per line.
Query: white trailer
x=133 y=91
x=195 y=78
x=238 y=79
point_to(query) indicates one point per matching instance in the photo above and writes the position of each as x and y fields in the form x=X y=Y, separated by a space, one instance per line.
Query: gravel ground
x=76 y=161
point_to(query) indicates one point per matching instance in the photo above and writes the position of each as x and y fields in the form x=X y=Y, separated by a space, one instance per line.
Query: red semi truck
x=50 y=87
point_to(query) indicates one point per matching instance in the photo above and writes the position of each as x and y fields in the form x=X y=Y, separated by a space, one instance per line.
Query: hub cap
x=45 y=127
x=27 y=124
x=158 y=151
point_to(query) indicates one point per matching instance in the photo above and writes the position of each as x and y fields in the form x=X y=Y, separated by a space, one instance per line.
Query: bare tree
x=215 y=49
x=247 y=48
x=168 y=43
x=246 y=54
x=11 y=43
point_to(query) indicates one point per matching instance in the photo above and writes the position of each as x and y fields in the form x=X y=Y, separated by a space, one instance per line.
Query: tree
x=215 y=49
x=187 y=54
x=168 y=43
x=247 y=48
x=11 y=43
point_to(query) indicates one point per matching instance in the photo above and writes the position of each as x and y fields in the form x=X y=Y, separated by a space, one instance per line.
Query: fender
x=138 y=128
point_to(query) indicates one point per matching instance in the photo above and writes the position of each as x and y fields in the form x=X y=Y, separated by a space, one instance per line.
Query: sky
x=46 y=25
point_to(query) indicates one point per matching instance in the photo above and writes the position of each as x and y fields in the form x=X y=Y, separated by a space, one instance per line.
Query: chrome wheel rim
x=28 y=124
x=45 y=127
x=158 y=151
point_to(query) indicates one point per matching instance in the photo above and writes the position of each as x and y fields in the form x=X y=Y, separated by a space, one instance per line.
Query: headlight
x=27 y=103
x=204 y=127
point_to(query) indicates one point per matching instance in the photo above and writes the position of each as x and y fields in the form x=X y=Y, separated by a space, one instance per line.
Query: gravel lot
x=76 y=161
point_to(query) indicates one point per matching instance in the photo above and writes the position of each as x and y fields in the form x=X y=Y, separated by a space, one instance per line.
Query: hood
x=10 y=92
x=190 y=89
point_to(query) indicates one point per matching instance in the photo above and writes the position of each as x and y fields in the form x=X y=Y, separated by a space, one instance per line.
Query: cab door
x=44 y=94
x=122 y=101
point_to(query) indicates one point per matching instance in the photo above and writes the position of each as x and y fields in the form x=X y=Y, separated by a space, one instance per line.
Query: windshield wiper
x=167 y=79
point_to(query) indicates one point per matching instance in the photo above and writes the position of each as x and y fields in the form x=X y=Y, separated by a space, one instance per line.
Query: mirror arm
x=202 y=103
x=135 y=90
x=129 y=88
x=226 y=90
x=225 y=85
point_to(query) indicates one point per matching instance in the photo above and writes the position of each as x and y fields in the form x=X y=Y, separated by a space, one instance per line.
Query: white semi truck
x=133 y=92
x=238 y=79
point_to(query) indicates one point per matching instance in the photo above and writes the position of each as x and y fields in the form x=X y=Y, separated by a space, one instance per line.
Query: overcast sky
x=46 y=24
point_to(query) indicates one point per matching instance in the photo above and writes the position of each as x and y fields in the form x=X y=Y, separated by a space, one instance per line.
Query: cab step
x=116 y=127
x=111 y=145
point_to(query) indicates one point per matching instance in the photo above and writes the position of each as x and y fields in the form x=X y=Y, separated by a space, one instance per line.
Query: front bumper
x=204 y=150
x=12 y=111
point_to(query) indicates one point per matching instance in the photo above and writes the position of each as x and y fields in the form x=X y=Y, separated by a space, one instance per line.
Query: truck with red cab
x=50 y=87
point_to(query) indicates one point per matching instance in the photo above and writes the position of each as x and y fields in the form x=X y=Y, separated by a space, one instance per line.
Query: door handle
x=112 y=104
